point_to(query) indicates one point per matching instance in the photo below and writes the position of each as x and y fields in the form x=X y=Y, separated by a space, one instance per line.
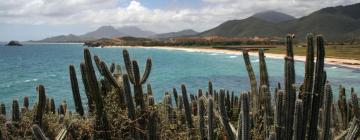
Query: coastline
x=348 y=63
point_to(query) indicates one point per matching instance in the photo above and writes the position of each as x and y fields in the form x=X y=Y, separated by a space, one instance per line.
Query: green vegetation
x=118 y=107
x=332 y=51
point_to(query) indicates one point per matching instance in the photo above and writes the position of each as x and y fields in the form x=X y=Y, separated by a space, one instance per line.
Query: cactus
x=168 y=107
x=279 y=113
x=152 y=128
x=187 y=107
x=210 y=88
x=101 y=124
x=210 y=112
x=97 y=63
x=253 y=83
x=87 y=86
x=38 y=133
x=175 y=96
x=75 y=89
x=26 y=102
x=224 y=117
x=290 y=96
x=40 y=106
x=343 y=107
x=149 y=89
x=52 y=106
x=132 y=69
x=298 y=121
x=2 y=109
x=201 y=118
x=327 y=113
x=151 y=101
x=112 y=67
x=244 y=118
x=308 y=80
x=129 y=102
x=15 y=111
x=319 y=70
x=264 y=78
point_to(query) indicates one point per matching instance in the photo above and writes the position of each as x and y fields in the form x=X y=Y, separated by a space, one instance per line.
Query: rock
x=14 y=43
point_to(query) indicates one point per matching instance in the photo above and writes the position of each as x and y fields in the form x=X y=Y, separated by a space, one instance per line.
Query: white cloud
x=109 y=12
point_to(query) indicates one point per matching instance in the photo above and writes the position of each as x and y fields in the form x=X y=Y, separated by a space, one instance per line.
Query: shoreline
x=347 y=63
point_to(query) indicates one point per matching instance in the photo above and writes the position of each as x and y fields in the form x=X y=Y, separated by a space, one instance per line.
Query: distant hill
x=273 y=16
x=182 y=33
x=105 y=32
x=135 y=31
x=66 y=39
x=101 y=32
x=335 y=23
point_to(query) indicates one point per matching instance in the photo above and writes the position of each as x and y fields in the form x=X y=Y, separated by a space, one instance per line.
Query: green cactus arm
x=147 y=71
x=15 y=111
x=326 y=134
x=253 y=83
x=97 y=63
x=75 y=90
x=224 y=117
x=187 y=107
x=128 y=65
x=136 y=73
x=86 y=86
x=107 y=74
x=112 y=67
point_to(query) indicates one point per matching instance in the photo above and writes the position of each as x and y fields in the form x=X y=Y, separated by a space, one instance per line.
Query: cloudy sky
x=36 y=19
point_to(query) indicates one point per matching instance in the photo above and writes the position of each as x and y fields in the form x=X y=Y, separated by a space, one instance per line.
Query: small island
x=14 y=43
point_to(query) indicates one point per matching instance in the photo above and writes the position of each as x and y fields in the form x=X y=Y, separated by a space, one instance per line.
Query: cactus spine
x=75 y=89
x=319 y=73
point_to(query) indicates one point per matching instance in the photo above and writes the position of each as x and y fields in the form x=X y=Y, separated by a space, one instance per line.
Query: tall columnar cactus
x=266 y=103
x=87 y=87
x=298 y=121
x=327 y=113
x=210 y=86
x=40 y=106
x=308 y=80
x=168 y=107
x=279 y=113
x=343 y=108
x=152 y=126
x=187 y=107
x=175 y=96
x=129 y=102
x=75 y=90
x=290 y=97
x=202 y=128
x=319 y=73
x=244 y=118
x=38 y=133
x=2 y=109
x=101 y=123
x=253 y=83
x=354 y=129
x=224 y=117
x=15 y=111
x=210 y=112
x=52 y=106
x=26 y=102
x=132 y=69
x=149 y=89
x=264 y=78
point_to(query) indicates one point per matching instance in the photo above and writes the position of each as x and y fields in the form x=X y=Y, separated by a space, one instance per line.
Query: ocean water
x=23 y=68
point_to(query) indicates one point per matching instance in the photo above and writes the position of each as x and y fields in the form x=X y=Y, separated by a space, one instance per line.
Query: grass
x=332 y=51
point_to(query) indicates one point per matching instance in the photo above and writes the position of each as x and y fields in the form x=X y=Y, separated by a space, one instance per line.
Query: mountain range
x=335 y=23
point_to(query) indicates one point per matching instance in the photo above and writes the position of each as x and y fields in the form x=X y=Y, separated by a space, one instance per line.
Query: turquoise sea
x=23 y=68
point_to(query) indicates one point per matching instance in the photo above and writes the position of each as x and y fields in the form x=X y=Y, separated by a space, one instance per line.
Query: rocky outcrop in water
x=14 y=43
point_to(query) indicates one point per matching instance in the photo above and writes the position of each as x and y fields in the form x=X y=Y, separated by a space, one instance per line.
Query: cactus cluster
x=118 y=108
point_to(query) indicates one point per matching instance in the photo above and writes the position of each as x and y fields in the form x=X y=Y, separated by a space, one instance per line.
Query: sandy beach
x=348 y=63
